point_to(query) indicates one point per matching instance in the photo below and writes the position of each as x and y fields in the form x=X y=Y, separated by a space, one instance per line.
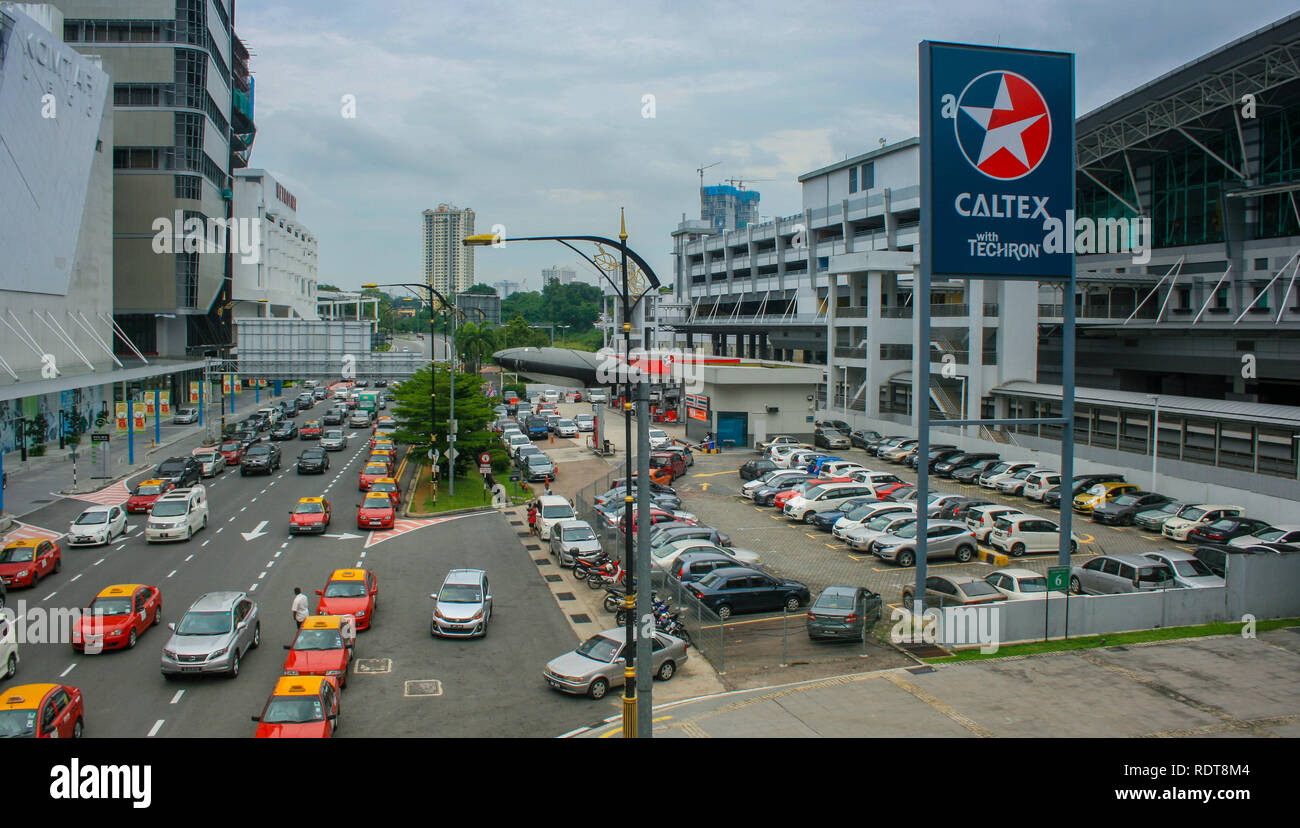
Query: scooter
x=582 y=567
x=611 y=572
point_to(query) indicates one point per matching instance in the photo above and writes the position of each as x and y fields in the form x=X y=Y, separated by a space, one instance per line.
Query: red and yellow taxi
x=141 y=500
x=311 y=430
x=385 y=457
x=382 y=441
x=376 y=511
x=371 y=473
x=117 y=617
x=233 y=451
x=310 y=515
x=387 y=485
x=319 y=650
x=352 y=592
x=300 y=707
x=25 y=562
x=43 y=711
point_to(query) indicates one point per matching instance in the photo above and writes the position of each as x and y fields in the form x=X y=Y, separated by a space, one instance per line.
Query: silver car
x=944 y=539
x=185 y=416
x=1107 y=574
x=566 y=428
x=463 y=605
x=1189 y=570
x=598 y=663
x=573 y=537
x=861 y=538
x=211 y=463
x=333 y=440
x=584 y=422
x=215 y=632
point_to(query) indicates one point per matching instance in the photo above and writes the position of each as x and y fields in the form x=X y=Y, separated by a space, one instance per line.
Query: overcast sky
x=530 y=112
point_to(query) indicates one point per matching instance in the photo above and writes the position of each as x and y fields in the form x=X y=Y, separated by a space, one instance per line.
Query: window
x=188 y=186
x=853 y=179
x=867 y=179
x=1110 y=566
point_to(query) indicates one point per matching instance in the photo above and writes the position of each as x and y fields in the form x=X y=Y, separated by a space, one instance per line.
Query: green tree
x=482 y=289
x=474 y=341
x=517 y=334
x=529 y=305
x=473 y=413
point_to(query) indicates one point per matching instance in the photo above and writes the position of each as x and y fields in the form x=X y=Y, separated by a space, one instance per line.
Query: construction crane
x=700 y=169
x=739 y=183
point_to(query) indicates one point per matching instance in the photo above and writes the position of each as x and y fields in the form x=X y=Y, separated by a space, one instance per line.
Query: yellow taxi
x=1101 y=493
x=43 y=711
x=300 y=707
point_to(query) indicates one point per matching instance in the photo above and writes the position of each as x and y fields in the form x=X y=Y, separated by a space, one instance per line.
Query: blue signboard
x=997 y=159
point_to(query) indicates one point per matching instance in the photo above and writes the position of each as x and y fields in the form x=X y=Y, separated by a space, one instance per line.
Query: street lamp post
x=1155 y=441
x=637 y=601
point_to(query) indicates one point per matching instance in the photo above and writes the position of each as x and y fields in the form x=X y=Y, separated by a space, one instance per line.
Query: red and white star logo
x=1003 y=126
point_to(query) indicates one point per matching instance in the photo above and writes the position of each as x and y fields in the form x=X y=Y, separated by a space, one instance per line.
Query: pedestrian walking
x=532 y=519
x=299 y=607
x=548 y=487
x=348 y=629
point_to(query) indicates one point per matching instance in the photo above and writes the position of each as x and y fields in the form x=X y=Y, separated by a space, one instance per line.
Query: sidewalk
x=40 y=480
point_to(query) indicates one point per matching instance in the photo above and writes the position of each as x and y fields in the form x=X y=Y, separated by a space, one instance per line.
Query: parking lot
x=800 y=551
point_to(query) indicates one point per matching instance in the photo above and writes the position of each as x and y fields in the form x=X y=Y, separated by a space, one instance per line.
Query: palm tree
x=473 y=341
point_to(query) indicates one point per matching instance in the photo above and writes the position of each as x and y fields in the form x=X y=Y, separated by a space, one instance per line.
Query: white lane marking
x=279 y=553
x=189 y=557
x=263 y=491
x=177 y=697
x=156 y=727
x=206 y=542
x=75 y=577
x=232 y=519
x=253 y=588
x=119 y=546
x=272 y=483
x=244 y=509
x=270 y=564
x=69 y=670
x=263 y=575
x=283 y=545
x=98 y=562
x=254 y=500
x=220 y=529
x=51 y=595
x=173 y=572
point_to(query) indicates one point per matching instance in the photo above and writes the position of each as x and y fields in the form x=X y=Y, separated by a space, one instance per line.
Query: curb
x=471 y=510
x=994 y=558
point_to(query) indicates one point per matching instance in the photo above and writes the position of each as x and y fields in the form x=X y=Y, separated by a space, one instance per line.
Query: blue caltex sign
x=997 y=159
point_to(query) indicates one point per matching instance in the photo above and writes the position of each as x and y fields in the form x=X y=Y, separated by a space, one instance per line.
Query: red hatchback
x=300 y=707
x=43 y=711
x=141 y=500
x=117 y=617
x=233 y=451
x=319 y=650
x=25 y=562
x=311 y=515
x=376 y=511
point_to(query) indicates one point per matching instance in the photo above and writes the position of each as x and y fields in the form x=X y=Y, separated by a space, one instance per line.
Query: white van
x=840 y=468
x=273 y=415
x=826 y=497
x=310 y=385
x=177 y=515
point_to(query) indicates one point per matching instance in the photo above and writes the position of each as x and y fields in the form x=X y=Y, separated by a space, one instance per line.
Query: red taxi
x=25 y=562
x=116 y=618
x=141 y=500
x=311 y=430
x=319 y=650
x=312 y=514
x=371 y=473
x=352 y=592
x=388 y=486
x=43 y=711
x=300 y=707
x=376 y=511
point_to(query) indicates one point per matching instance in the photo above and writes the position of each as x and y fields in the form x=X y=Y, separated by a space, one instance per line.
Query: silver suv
x=463 y=605
x=215 y=632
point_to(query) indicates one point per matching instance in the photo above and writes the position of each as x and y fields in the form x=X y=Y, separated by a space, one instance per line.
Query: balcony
x=904 y=312
x=950 y=310
x=858 y=312
x=849 y=352
x=896 y=352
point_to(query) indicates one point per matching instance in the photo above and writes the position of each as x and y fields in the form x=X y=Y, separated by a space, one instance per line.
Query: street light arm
x=479 y=241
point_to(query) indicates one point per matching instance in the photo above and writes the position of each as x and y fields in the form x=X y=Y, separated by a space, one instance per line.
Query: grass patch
x=1116 y=639
x=469 y=494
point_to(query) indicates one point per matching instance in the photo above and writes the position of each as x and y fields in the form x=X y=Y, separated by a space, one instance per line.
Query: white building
x=279 y=278
x=558 y=273
x=448 y=264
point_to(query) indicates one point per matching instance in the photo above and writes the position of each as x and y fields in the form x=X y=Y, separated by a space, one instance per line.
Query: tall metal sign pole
x=997 y=177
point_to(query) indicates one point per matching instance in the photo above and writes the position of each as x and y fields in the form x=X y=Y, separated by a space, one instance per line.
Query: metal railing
x=904 y=312
x=849 y=352
x=950 y=310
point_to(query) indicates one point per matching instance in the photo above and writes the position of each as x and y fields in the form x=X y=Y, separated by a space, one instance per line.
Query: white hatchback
x=980 y=519
x=1039 y=482
x=96 y=526
x=1018 y=533
x=177 y=515
x=659 y=439
x=1019 y=584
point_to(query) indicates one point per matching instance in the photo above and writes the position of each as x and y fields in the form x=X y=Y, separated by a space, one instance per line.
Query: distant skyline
x=532 y=113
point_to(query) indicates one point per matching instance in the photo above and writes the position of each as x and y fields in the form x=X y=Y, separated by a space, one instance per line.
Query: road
x=489 y=687
x=418 y=346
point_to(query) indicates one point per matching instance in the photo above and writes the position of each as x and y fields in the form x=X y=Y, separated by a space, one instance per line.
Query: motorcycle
x=659 y=608
x=582 y=567
x=611 y=572
x=614 y=598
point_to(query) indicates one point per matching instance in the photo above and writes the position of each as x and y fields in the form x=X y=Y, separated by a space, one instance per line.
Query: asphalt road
x=489 y=687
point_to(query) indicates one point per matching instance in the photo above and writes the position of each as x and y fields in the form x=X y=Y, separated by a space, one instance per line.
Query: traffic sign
x=433 y=454
x=484 y=468
x=485 y=458
x=1058 y=579
x=514 y=477
x=99 y=437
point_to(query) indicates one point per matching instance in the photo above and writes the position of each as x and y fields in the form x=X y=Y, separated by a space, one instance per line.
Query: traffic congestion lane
x=125 y=691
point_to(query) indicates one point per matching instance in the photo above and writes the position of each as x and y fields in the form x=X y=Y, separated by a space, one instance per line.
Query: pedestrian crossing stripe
x=27 y=531
x=403 y=525
x=113 y=495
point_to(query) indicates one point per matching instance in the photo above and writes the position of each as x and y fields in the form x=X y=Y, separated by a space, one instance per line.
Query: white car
x=659 y=439
x=989 y=479
x=1017 y=533
x=780 y=455
x=866 y=512
x=1019 y=584
x=8 y=648
x=552 y=509
x=597 y=396
x=841 y=468
x=1039 y=482
x=584 y=422
x=825 y=497
x=1286 y=533
x=97 y=526
x=1014 y=484
x=666 y=555
x=177 y=515
x=980 y=519
x=1203 y=514
x=550 y=395
x=514 y=441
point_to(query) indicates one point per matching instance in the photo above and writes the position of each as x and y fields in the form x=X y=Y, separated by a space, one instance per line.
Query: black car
x=1082 y=483
x=305 y=402
x=313 y=461
x=182 y=471
x=766 y=495
x=957 y=509
x=825 y=521
x=861 y=438
x=1120 y=511
x=1215 y=555
x=381 y=383
x=937 y=454
x=740 y=589
x=756 y=468
x=951 y=464
x=255 y=422
x=285 y=431
x=262 y=458
x=1224 y=530
x=360 y=384
x=968 y=474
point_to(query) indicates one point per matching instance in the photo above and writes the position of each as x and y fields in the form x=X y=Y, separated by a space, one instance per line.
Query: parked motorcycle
x=607 y=574
x=582 y=566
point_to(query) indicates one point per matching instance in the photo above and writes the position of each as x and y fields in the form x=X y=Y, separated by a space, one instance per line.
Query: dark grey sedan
x=843 y=612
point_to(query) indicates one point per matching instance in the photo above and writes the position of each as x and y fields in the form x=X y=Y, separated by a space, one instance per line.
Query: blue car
x=825 y=521
x=814 y=461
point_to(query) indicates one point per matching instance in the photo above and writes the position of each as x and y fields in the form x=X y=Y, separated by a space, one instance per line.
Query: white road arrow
x=344 y=536
x=256 y=533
